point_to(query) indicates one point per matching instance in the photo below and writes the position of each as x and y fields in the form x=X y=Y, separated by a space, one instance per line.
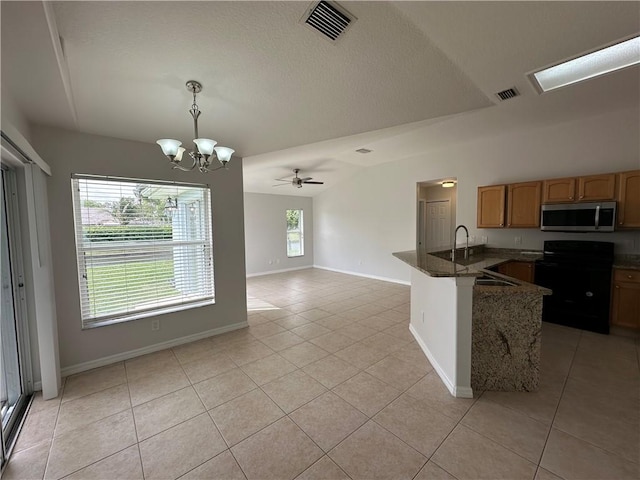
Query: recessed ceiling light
x=364 y=150
x=448 y=184
x=606 y=60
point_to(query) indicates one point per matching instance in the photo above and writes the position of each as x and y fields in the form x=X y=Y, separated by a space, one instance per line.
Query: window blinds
x=143 y=247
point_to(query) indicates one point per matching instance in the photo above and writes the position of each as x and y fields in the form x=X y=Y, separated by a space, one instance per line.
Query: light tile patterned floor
x=328 y=383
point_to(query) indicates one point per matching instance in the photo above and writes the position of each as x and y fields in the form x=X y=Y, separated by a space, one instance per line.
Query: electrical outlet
x=472 y=239
x=518 y=240
x=277 y=260
x=485 y=239
x=270 y=262
x=155 y=325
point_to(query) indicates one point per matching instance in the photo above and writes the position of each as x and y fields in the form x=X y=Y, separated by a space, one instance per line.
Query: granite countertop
x=628 y=262
x=481 y=258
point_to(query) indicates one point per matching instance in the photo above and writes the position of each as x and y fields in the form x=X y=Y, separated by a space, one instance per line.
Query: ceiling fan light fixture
x=204 y=147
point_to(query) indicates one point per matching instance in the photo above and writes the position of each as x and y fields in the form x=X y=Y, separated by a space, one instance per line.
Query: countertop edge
x=446 y=269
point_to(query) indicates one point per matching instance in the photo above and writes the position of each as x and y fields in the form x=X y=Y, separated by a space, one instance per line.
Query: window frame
x=88 y=316
x=300 y=231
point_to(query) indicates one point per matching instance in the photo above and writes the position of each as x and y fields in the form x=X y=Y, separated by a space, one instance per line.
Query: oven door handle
x=597 y=217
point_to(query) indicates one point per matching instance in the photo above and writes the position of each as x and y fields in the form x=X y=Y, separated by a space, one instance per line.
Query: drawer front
x=620 y=275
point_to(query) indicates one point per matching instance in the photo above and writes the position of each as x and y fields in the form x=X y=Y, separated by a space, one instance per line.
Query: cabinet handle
x=570 y=198
x=629 y=276
x=581 y=196
x=617 y=286
x=502 y=224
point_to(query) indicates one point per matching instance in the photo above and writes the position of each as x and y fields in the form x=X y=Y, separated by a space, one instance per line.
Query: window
x=295 y=233
x=144 y=247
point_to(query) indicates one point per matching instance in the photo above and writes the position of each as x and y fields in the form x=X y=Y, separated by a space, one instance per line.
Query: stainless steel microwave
x=579 y=217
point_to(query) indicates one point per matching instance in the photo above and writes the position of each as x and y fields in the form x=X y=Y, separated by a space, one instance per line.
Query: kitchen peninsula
x=479 y=329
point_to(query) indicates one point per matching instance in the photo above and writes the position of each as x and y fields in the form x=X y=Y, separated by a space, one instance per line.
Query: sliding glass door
x=13 y=394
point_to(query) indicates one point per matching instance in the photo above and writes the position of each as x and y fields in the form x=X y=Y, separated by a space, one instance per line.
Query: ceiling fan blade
x=305 y=179
x=314 y=183
x=281 y=184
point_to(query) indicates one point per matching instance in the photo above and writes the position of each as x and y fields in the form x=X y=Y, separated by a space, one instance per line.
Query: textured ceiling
x=283 y=96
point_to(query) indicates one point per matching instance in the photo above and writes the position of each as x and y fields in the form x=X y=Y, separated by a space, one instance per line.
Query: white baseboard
x=365 y=275
x=456 y=391
x=270 y=272
x=119 y=357
x=37 y=386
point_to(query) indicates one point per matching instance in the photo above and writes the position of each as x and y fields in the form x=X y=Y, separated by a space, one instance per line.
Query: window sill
x=146 y=314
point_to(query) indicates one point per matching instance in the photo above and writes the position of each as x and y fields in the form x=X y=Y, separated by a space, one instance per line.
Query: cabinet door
x=519 y=270
x=597 y=187
x=629 y=199
x=625 y=308
x=523 y=205
x=491 y=206
x=559 y=190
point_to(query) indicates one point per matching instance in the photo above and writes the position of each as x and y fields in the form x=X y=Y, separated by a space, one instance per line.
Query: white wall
x=265 y=226
x=441 y=309
x=11 y=115
x=69 y=152
x=359 y=223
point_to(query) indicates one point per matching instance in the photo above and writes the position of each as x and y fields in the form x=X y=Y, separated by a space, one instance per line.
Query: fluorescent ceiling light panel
x=594 y=64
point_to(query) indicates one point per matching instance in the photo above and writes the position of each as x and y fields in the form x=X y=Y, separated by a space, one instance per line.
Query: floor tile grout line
x=52 y=438
x=315 y=443
x=555 y=413
x=597 y=446
x=331 y=460
x=503 y=446
x=449 y=434
x=134 y=417
x=229 y=447
x=96 y=392
x=104 y=458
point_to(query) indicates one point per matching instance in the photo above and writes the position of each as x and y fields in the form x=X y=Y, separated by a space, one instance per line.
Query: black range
x=579 y=274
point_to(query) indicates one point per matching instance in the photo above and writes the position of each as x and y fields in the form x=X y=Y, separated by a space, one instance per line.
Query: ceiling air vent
x=328 y=18
x=364 y=150
x=507 y=94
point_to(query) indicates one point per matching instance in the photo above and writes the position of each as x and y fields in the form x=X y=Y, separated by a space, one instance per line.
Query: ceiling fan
x=297 y=181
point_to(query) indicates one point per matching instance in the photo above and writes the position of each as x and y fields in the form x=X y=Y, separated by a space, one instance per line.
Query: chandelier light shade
x=204 y=147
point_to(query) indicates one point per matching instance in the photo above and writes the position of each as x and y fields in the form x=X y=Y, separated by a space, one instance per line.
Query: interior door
x=438 y=221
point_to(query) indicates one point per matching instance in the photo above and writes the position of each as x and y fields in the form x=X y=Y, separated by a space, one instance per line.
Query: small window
x=144 y=247
x=295 y=233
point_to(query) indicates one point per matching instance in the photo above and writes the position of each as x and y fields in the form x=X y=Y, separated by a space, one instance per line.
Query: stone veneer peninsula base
x=505 y=340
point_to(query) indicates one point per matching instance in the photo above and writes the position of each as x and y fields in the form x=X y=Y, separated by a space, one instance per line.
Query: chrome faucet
x=453 y=249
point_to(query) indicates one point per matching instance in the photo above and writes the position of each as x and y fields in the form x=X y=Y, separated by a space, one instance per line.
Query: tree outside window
x=295 y=233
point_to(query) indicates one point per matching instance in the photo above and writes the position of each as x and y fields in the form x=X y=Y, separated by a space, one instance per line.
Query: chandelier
x=204 y=148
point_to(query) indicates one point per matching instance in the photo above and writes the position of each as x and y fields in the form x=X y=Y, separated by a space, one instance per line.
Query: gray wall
x=69 y=152
x=265 y=227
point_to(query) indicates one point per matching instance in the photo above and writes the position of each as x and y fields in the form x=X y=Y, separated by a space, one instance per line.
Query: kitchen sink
x=494 y=282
